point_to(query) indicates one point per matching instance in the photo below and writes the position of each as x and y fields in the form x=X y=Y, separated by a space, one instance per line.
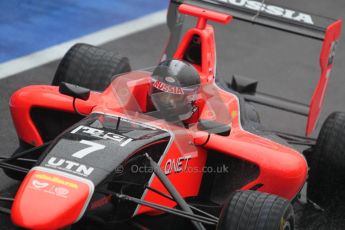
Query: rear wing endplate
x=327 y=30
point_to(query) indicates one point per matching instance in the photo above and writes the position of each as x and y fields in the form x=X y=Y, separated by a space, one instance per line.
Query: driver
x=174 y=90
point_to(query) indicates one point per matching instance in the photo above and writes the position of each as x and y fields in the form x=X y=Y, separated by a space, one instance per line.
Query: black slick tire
x=327 y=162
x=249 y=210
x=90 y=67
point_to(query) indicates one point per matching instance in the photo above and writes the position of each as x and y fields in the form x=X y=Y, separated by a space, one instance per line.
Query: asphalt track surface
x=284 y=64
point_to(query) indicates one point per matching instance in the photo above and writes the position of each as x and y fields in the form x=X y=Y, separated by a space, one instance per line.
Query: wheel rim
x=287 y=226
x=287 y=223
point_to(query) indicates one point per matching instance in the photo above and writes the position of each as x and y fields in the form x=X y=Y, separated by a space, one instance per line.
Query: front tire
x=327 y=162
x=90 y=67
x=248 y=210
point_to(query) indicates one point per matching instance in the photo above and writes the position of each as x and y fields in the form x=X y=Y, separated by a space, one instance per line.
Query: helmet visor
x=164 y=100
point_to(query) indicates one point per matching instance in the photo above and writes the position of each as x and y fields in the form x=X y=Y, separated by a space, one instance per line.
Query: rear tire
x=327 y=162
x=248 y=210
x=90 y=67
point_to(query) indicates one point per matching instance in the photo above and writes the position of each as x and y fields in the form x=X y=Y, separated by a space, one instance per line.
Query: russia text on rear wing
x=301 y=23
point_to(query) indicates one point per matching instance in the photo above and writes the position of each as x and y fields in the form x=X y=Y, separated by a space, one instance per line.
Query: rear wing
x=324 y=29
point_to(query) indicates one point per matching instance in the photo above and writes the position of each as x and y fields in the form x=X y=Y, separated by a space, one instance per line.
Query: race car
x=169 y=146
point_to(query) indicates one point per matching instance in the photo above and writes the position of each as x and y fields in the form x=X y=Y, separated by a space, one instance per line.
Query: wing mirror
x=74 y=91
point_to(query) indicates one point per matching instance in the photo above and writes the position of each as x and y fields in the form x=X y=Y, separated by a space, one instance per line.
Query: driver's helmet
x=175 y=86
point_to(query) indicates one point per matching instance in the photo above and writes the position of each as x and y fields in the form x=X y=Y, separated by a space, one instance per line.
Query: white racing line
x=101 y=37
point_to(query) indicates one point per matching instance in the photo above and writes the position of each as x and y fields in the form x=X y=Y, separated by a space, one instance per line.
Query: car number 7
x=84 y=152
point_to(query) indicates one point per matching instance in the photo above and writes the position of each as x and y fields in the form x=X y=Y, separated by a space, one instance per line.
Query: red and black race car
x=107 y=147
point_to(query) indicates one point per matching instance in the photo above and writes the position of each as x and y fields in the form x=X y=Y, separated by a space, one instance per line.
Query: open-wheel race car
x=168 y=147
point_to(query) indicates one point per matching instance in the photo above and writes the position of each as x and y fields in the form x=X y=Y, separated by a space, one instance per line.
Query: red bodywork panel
x=187 y=183
x=23 y=100
x=204 y=15
x=283 y=170
x=49 y=200
x=326 y=63
x=206 y=33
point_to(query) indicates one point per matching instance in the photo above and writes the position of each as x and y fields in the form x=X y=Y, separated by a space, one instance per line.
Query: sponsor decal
x=332 y=52
x=101 y=202
x=56 y=180
x=69 y=166
x=101 y=134
x=39 y=185
x=93 y=147
x=50 y=188
x=61 y=191
x=167 y=88
x=176 y=165
x=272 y=10
x=170 y=79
